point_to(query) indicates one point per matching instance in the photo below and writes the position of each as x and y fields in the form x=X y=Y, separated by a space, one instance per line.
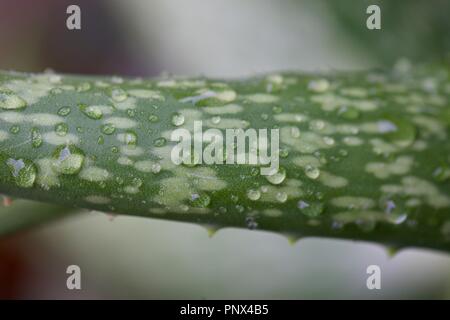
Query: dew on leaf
x=36 y=138
x=312 y=172
x=93 y=112
x=278 y=177
x=177 y=119
x=24 y=172
x=200 y=200
x=153 y=118
x=67 y=159
x=14 y=129
x=311 y=209
x=253 y=194
x=61 y=129
x=131 y=113
x=281 y=196
x=64 y=111
x=215 y=120
x=130 y=138
x=118 y=94
x=10 y=101
x=159 y=142
x=108 y=128
x=156 y=168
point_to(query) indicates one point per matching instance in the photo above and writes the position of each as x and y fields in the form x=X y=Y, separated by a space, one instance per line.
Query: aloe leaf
x=363 y=155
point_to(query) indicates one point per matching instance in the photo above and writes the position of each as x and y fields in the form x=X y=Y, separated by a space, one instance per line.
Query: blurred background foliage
x=129 y=257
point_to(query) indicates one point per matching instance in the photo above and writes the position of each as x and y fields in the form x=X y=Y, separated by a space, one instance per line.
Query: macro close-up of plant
x=313 y=140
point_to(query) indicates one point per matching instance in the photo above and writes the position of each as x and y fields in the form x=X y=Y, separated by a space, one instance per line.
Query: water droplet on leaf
x=159 y=142
x=61 y=129
x=93 y=112
x=312 y=172
x=67 y=159
x=200 y=200
x=23 y=171
x=36 y=138
x=312 y=210
x=278 y=177
x=10 y=101
x=64 y=111
x=253 y=194
x=108 y=129
x=177 y=119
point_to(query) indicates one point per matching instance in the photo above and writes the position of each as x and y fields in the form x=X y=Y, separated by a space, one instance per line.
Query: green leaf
x=363 y=155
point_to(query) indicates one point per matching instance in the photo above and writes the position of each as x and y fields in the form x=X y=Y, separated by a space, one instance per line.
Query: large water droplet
x=61 y=129
x=278 y=177
x=253 y=194
x=216 y=119
x=200 y=200
x=281 y=196
x=93 y=112
x=395 y=210
x=312 y=172
x=68 y=159
x=118 y=94
x=130 y=138
x=10 y=101
x=23 y=171
x=177 y=119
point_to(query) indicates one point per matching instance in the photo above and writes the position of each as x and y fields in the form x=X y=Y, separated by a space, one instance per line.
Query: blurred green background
x=129 y=257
